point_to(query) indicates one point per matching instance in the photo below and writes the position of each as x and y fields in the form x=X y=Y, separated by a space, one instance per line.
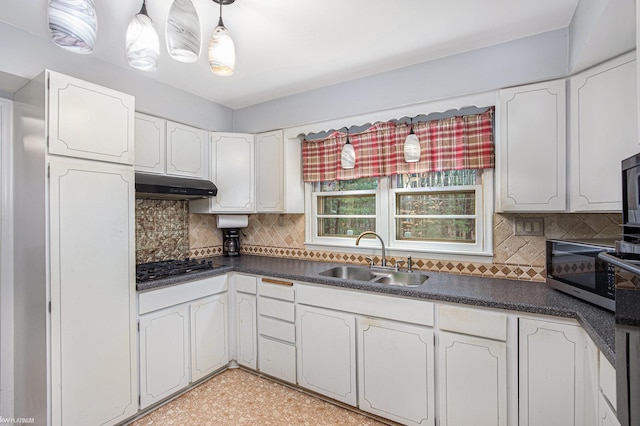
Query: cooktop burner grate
x=167 y=268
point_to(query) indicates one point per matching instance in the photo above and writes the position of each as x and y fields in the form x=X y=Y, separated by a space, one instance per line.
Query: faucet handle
x=370 y=259
x=409 y=264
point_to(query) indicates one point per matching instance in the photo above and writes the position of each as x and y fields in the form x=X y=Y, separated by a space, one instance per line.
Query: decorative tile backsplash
x=165 y=229
x=161 y=230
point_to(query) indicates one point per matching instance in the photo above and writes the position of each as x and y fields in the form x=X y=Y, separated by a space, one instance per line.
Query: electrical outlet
x=529 y=226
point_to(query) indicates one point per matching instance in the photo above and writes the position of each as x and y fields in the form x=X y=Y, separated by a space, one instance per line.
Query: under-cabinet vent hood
x=173 y=188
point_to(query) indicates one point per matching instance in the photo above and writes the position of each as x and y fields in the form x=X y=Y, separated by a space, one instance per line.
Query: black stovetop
x=166 y=268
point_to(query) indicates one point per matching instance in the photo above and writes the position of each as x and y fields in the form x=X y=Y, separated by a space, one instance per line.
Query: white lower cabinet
x=606 y=417
x=246 y=336
x=472 y=378
x=396 y=370
x=183 y=336
x=164 y=353
x=209 y=351
x=326 y=342
x=551 y=373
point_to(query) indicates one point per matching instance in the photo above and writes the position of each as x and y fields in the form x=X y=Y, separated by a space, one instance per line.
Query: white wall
x=536 y=58
x=25 y=55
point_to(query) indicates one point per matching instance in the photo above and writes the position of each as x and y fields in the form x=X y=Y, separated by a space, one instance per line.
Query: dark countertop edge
x=598 y=323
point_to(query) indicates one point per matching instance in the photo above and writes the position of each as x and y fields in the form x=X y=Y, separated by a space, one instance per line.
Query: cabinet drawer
x=276 y=309
x=277 y=359
x=153 y=300
x=245 y=283
x=475 y=322
x=277 y=289
x=277 y=329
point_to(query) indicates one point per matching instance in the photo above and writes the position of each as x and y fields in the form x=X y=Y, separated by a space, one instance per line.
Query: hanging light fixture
x=73 y=24
x=411 y=147
x=143 y=44
x=183 y=31
x=348 y=155
x=222 y=52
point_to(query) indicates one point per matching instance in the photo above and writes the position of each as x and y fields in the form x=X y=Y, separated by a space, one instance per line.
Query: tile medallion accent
x=161 y=230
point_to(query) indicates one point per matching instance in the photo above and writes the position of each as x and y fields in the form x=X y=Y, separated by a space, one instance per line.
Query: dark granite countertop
x=521 y=296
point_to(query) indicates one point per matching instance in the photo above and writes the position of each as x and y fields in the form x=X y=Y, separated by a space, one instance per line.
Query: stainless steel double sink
x=381 y=276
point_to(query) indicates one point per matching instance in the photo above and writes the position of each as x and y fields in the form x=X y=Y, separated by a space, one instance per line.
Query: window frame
x=481 y=250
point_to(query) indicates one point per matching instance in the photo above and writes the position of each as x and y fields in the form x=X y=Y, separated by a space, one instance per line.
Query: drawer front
x=276 y=309
x=482 y=323
x=152 y=300
x=245 y=283
x=277 y=329
x=414 y=311
x=277 y=289
x=277 y=359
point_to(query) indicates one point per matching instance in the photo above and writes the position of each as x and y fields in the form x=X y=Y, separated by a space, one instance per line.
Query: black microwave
x=573 y=267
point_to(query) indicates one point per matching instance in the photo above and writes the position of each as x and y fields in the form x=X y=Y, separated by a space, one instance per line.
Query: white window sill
x=476 y=257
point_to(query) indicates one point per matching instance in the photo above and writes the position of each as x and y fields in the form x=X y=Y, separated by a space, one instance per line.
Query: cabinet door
x=93 y=312
x=232 y=161
x=472 y=375
x=164 y=353
x=603 y=132
x=90 y=121
x=326 y=351
x=209 y=347
x=246 y=330
x=269 y=172
x=396 y=371
x=186 y=151
x=531 y=148
x=607 y=417
x=551 y=367
x=150 y=144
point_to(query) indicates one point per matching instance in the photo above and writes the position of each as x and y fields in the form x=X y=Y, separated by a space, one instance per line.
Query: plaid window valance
x=454 y=143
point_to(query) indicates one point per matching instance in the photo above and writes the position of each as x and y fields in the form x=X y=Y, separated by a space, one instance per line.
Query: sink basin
x=357 y=273
x=402 y=278
x=361 y=273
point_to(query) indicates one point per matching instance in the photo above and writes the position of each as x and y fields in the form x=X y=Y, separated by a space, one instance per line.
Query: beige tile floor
x=238 y=397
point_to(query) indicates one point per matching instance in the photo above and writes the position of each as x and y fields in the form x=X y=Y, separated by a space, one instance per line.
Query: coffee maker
x=230 y=242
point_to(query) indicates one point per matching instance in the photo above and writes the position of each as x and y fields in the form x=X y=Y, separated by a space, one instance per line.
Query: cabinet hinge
x=49 y=306
x=138 y=326
x=139 y=400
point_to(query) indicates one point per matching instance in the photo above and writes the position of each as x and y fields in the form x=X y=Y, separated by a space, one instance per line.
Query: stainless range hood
x=164 y=187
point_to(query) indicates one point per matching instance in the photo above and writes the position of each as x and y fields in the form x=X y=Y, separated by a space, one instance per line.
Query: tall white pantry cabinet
x=75 y=335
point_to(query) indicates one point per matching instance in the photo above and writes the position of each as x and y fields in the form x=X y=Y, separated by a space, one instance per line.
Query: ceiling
x=284 y=47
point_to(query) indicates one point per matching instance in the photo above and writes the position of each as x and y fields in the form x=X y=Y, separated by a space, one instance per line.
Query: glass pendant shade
x=348 y=156
x=411 y=148
x=183 y=32
x=143 y=44
x=73 y=24
x=222 y=52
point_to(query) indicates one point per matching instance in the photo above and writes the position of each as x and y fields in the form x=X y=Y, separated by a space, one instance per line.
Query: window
x=436 y=212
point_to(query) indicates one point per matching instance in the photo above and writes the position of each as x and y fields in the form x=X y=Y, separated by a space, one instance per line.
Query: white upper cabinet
x=89 y=121
x=603 y=132
x=150 y=144
x=165 y=147
x=233 y=172
x=186 y=151
x=279 y=186
x=270 y=172
x=531 y=148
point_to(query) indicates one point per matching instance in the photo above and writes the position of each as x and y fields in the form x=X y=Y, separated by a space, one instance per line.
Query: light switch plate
x=529 y=226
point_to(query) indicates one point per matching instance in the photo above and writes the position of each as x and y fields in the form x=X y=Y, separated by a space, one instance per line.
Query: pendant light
x=222 y=52
x=411 y=147
x=73 y=24
x=143 y=44
x=348 y=155
x=183 y=31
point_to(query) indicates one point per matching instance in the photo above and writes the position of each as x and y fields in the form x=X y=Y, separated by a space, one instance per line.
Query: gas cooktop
x=167 y=268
